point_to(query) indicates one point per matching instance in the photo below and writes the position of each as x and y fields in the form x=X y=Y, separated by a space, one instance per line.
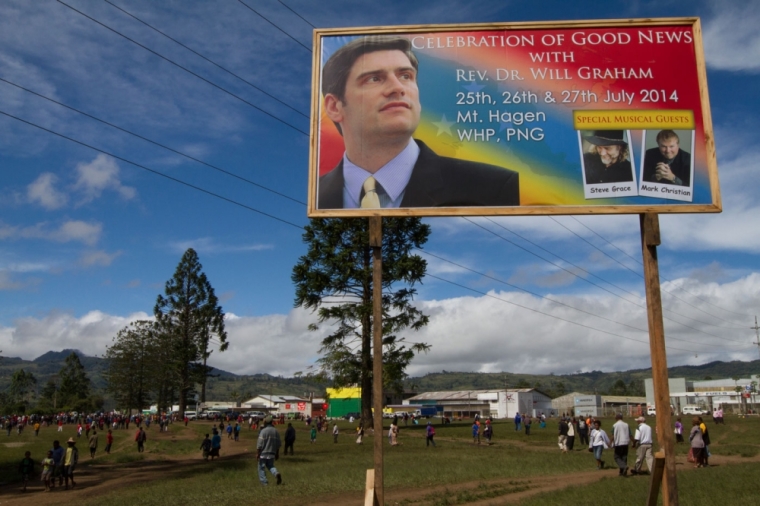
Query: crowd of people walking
x=59 y=463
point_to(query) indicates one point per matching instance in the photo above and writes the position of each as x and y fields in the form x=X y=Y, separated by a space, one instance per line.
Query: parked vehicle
x=651 y=411
x=212 y=414
x=691 y=409
x=427 y=412
x=191 y=415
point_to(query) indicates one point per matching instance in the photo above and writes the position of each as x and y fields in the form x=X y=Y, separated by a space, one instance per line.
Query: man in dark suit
x=667 y=163
x=370 y=93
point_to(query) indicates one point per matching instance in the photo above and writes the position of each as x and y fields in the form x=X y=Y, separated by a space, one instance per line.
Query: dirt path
x=510 y=491
x=98 y=479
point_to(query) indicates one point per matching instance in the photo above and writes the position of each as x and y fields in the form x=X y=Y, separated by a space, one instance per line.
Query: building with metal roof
x=502 y=403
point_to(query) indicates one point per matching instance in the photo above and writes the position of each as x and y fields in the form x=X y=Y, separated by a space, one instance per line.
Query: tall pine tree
x=334 y=278
x=132 y=366
x=75 y=385
x=22 y=388
x=189 y=316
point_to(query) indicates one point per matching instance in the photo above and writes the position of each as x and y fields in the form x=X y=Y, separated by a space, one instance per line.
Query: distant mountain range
x=229 y=386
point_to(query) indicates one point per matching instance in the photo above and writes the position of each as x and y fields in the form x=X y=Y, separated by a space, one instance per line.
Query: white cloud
x=100 y=174
x=26 y=267
x=98 y=257
x=503 y=331
x=31 y=337
x=72 y=230
x=43 y=192
x=732 y=40
x=487 y=334
x=277 y=344
x=210 y=245
x=76 y=230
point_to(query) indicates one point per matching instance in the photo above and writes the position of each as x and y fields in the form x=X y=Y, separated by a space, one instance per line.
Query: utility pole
x=757 y=331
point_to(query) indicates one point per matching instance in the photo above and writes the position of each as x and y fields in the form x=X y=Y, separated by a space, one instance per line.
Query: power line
x=553 y=263
x=642 y=276
x=227 y=199
x=663 y=277
x=587 y=272
x=549 y=315
x=283 y=220
x=185 y=69
x=294 y=12
x=207 y=59
x=601 y=287
x=176 y=180
x=155 y=143
x=274 y=25
x=562 y=303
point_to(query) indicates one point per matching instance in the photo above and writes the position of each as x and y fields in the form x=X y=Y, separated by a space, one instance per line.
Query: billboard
x=512 y=119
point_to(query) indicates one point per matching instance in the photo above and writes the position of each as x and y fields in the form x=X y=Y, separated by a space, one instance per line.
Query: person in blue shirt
x=216 y=444
x=58 y=452
x=476 y=432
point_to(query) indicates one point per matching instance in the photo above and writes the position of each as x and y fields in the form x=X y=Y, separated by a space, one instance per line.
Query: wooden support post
x=369 y=489
x=656 y=478
x=650 y=239
x=376 y=242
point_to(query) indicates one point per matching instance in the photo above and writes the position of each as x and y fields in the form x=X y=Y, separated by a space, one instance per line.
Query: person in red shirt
x=109 y=441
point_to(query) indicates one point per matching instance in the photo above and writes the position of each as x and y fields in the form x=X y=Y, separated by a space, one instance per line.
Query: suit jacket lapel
x=426 y=180
x=331 y=189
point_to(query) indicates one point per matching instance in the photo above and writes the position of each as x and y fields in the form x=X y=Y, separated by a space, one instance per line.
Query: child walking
x=26 y=468
x=47 y=469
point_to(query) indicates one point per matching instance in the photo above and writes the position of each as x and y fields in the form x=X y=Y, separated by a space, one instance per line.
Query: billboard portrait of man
x=667 y=163
x=370 y=92
x=609 y=160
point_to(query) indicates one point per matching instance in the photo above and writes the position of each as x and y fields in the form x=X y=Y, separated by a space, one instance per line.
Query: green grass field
x=171 y=471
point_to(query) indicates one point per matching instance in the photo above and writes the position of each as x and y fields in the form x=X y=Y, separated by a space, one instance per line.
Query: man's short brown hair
x=666 y=135
x=338 y=67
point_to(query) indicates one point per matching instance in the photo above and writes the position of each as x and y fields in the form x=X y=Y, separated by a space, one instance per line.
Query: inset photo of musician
x=667 y=167
x=607 y=163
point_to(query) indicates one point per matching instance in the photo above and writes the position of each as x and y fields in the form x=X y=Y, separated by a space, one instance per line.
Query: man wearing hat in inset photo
x=609 y=161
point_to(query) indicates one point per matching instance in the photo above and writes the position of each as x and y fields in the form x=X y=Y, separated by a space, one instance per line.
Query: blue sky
x=87 y=240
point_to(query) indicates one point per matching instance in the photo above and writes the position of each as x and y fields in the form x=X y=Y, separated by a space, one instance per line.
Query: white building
x=496 y=403
x=708 y=394
x=580 y=404
x=280 y=404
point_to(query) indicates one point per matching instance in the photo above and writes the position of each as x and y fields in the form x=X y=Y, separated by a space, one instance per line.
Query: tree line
x=161 y=361
x=70 y=391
